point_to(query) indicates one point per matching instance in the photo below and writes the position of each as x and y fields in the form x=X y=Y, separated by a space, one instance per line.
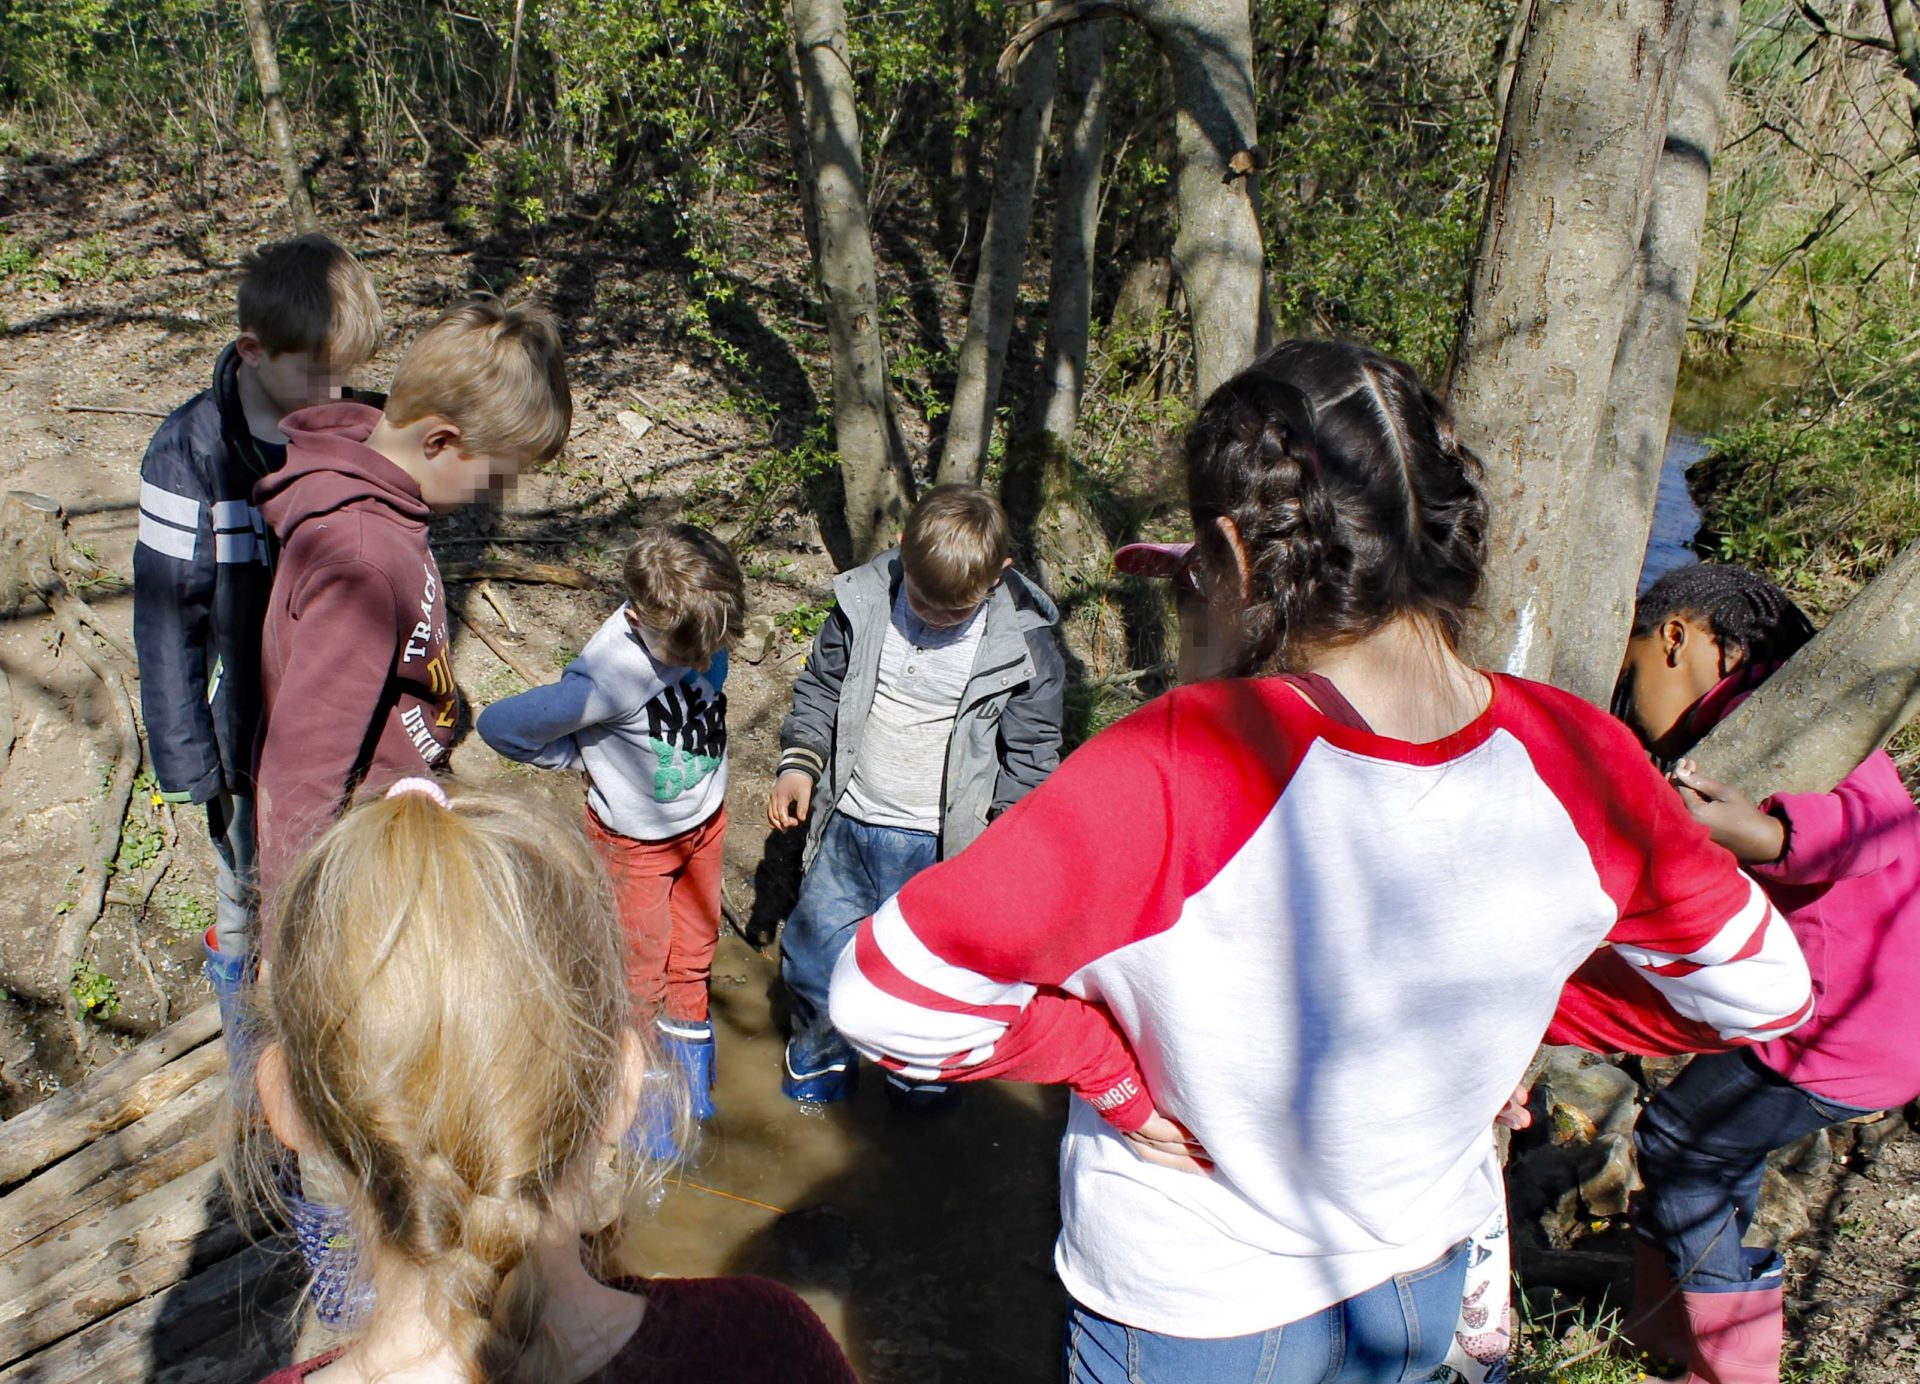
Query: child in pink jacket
x=1844 y=867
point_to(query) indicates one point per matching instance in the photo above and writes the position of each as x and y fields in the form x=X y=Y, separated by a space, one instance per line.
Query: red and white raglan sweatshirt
x=1330 y=955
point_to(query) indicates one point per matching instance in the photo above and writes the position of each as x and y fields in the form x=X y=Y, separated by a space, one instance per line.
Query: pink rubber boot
x=1656 y=1324
x=1736 y=1334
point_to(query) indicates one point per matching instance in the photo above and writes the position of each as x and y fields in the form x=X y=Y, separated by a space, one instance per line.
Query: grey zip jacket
x=1006 y=738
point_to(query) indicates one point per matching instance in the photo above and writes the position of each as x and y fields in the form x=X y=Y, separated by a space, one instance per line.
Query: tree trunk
x=872 y=463
x=1208 y=45
x=1837 y=700
x=1904 y=25
x=266 y=67
x=1003 y=258
x=1083 y=145
x=1551 y=278
x=1598 y=587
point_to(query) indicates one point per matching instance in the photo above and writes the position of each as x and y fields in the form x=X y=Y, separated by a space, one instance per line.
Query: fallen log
x=512 y=569
x=53 y=1290
x=118 y=1093
x=117 y=1167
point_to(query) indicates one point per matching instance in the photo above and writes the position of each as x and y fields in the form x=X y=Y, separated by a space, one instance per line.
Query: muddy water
x=925 y=1243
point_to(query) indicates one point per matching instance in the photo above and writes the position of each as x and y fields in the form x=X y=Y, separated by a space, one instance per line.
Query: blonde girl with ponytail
x=447 y=1030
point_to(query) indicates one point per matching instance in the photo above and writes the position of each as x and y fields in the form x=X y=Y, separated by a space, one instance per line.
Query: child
x=1844 y=867
x=446 y=1025
x=930 y=704
x=203 y=566
x=642 y=711
x=355 y=670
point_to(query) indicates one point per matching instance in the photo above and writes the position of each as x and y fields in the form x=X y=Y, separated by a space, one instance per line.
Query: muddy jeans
x=1397 y=1330
x=236 y=918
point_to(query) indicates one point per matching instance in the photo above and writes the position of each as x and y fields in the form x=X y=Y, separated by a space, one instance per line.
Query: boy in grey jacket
x=931 y=703
x=642 y=711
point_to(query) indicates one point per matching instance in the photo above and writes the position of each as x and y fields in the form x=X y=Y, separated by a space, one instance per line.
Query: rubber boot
x=1737 y=1331
x=1656 y=1323
x=818 y=1081
x=688 y=1044
x=654 y=1134
x=228 y=977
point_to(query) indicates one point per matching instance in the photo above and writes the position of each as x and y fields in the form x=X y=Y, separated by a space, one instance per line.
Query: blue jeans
x=1703 y=1146
x=857 y=868
x=236 y=874
x=1397 y=1330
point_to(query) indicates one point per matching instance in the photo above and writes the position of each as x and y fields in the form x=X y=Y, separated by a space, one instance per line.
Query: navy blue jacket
x=202 y=570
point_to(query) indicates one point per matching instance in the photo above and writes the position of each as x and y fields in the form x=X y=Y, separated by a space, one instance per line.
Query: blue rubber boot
x=229 y=975
x=652 y=1134
x=688 y=1044
x=819 y=1073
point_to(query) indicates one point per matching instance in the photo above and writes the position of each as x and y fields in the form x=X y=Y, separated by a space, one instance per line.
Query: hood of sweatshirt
x=329 y=468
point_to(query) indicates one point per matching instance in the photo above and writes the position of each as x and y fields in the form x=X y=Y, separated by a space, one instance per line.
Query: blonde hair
x=448 y=989
x=496 y=370
x=685 y=584
x=309 y=294
x=954 y=546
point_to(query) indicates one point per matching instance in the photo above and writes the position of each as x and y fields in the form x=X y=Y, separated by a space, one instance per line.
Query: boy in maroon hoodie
x=356 y=676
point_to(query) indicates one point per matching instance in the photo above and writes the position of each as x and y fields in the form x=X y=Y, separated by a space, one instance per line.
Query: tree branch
x=1826 y=30
x=1058 y=16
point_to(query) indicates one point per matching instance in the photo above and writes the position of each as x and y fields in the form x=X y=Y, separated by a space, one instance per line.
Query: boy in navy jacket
x=203 y=565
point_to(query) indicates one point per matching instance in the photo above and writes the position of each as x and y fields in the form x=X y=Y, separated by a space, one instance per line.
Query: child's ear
x=247 y=346
x=440 y=435
x=276 y=1100
x=1673 y=640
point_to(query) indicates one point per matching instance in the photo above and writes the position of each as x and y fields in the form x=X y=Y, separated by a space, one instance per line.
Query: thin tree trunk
x=513 y=59
x=266 y=67
x=1208 y=45
x=1552 y=275
x=1003 y=258
x=1083 y=145
x=1597 y=592
x=872 y=464
x=1837 y=700
x=1905 y=27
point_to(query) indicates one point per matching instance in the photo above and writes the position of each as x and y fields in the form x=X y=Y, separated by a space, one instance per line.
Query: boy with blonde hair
x=643 y=712
x=931 y=703
x=203 y=566
x=355 y=665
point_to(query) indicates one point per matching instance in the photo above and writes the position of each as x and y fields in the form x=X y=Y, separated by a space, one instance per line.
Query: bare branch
x=1058 y=16
x=1826 y=30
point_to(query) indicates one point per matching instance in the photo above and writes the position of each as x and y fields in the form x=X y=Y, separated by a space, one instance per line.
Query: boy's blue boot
x=688 y=1044
x=228 y=977
x=652 y=1134
x=819 y=1072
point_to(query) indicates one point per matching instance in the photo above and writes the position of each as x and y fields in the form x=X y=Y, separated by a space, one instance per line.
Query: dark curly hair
x=1744 y=611
x=1353 y=498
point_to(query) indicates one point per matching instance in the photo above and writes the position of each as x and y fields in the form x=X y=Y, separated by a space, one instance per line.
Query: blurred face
x=1665 y=673
x=940 y=617
x=451 y=476
x=293 y=380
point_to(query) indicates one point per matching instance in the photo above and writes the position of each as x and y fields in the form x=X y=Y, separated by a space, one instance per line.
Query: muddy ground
x=925 y=1246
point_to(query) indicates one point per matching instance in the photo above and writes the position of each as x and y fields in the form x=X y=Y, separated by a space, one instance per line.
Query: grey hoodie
x=652 y=738
x=1006 y=739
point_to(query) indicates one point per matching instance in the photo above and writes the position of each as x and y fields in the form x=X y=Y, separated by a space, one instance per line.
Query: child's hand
x=1166 y=1142
x=792 y=798
x=1736 y=822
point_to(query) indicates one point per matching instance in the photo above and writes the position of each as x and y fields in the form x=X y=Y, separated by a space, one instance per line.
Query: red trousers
x=668 y=893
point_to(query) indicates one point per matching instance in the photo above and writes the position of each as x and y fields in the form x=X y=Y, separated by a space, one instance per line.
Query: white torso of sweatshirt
x=653 y=738
x=900 y=768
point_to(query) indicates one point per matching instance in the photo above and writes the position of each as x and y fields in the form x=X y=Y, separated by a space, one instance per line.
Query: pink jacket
x=1849 y=884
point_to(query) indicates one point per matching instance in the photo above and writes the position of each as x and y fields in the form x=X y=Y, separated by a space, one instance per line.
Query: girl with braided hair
x=1844 y=868
x=1291 y=932
x=447 y=1028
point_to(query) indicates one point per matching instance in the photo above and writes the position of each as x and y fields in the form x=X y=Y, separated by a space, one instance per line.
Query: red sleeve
x=339 y=664
x=1697 y=959
x=970 y=972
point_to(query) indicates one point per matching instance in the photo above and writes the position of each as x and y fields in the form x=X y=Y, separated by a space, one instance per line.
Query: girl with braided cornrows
x=447 y=1027
x=1844 y=868
x=1291 y=933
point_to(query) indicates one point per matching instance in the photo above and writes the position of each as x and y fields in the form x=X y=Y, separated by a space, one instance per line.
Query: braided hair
x=1744 y=611
x=1353 y=498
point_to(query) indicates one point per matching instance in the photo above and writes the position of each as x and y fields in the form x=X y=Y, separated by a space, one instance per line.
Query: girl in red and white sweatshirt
x=1293 y=934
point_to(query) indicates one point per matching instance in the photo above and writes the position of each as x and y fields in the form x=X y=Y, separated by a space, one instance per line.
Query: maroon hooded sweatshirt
x=356 y=675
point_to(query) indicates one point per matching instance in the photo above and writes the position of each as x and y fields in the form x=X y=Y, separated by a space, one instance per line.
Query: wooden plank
x=84 y=1272
x=116 y=1095
x=232 y=1321
x=117 y=1167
